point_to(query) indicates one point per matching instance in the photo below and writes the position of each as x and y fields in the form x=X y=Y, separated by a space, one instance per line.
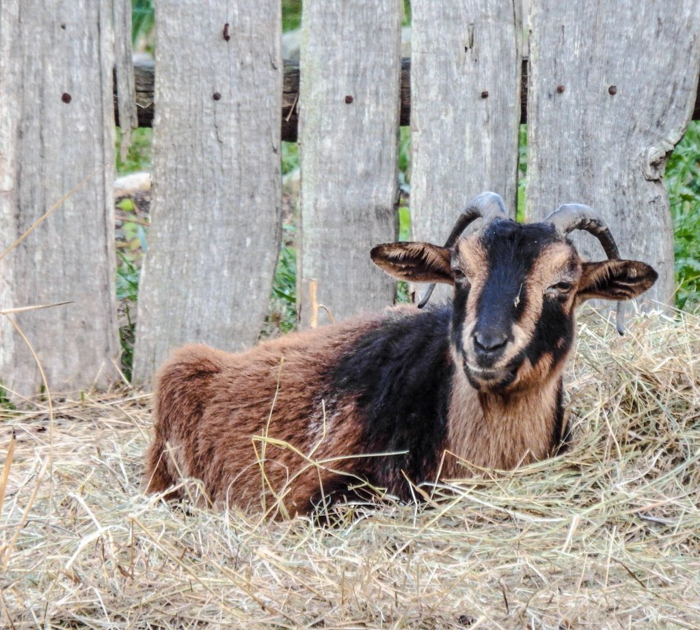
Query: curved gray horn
x=576 y=216
x=487 y=206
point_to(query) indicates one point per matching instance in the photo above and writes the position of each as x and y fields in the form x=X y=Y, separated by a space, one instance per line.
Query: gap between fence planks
x=144 y=73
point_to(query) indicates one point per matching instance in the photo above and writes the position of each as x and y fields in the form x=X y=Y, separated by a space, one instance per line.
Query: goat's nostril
x=489 y=341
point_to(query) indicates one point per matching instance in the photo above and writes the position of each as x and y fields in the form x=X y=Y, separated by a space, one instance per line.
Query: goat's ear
x=615 y=280
x=414 y=262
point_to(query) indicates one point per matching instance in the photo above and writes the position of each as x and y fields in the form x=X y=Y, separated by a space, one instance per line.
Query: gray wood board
x=465 y=108
x=215 y=228
x=124 y=73
x=348 y=133
x=58 y=55
x=612 y=88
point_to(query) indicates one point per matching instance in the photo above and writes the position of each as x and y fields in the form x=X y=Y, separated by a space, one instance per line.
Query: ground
x=605 y=536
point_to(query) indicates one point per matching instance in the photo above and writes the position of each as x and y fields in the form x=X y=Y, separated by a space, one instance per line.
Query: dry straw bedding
x=605 y=536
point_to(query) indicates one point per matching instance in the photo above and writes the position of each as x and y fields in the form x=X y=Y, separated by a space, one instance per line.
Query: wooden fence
x=610 y=90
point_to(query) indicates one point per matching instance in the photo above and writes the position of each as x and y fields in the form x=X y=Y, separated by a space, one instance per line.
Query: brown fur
x=214 y=409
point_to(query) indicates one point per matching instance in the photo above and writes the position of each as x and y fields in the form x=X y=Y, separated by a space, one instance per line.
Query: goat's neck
x=502 y=432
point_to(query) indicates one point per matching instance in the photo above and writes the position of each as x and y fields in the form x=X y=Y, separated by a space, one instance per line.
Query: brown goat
x=400 y=397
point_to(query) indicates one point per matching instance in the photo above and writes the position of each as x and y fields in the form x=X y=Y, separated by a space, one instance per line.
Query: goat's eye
x=459 y=275
x=562 y=287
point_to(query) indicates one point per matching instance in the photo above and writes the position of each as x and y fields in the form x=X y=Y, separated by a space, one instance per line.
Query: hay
x=605 y=536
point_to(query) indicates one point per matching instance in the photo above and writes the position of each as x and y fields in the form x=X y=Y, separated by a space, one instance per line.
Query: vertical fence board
x=465 y=108
x=215 y=228
x=56 y=129
x=348 y=133
x=612 y=88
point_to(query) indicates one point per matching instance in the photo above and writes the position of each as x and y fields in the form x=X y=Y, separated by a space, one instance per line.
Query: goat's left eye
x=458 y=274
x=562 y=287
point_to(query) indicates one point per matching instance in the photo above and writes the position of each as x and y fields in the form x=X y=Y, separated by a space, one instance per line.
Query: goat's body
x=386 y=384
x=401 y=397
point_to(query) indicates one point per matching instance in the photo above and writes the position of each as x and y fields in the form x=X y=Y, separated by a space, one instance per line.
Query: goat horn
x=576 y=216
x=488 y=206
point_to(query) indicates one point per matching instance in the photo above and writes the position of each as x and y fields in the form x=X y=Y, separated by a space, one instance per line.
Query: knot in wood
x=66 y=98
x=612 y=90
x=216 y=96
x=349 y=99
x=561 y=89
x=485 y=94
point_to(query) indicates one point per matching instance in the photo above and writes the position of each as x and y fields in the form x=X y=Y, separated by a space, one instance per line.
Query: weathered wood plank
x=124 y=86
x=58 y=55
x=465 y=108
x=612 y=90
x=349 y=118
x=217 y=184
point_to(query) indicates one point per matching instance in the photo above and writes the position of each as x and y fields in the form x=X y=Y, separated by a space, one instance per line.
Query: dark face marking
x=515 y=323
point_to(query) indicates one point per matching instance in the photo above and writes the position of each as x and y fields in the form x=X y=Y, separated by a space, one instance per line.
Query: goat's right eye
x=459 y=275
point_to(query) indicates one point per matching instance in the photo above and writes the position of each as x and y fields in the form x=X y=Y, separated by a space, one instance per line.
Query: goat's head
x=516 y=288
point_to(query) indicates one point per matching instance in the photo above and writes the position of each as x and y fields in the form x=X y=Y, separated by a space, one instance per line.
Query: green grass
x=283 y=314
x=142 y=18
x=5 y=402
x=683 y=184
x=138 y=157
x=290 y=157
x=291 y=15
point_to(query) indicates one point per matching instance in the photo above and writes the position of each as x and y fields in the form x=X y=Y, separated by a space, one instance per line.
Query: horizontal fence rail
x=144 y=74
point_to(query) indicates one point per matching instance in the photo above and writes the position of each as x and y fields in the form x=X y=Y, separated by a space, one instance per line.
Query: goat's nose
x=489 y=342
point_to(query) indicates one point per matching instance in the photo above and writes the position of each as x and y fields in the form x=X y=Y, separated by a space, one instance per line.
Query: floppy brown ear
x=414 y=262
x=615 y=280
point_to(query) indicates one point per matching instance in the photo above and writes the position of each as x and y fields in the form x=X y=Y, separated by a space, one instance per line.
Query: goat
x=406 y=395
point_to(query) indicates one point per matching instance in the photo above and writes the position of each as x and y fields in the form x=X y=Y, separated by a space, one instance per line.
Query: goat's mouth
x=489 y=379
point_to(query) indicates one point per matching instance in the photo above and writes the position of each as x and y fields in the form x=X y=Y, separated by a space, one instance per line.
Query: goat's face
x=516 y=288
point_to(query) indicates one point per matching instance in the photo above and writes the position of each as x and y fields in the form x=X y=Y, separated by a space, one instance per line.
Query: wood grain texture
x=612 y=88
x=348 y=133
x=215 y=229
x=58 y=54
x=124 y=73
x=465 y=108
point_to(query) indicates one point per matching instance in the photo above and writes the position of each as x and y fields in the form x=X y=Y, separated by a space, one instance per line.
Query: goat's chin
x=494 y=381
